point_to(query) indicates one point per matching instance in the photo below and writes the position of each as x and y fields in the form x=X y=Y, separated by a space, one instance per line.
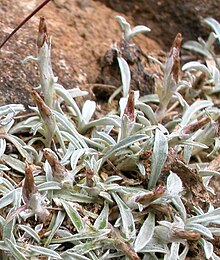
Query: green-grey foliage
x=117 y=187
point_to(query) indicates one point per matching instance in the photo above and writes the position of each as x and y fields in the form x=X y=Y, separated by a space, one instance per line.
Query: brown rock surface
x=82 y=31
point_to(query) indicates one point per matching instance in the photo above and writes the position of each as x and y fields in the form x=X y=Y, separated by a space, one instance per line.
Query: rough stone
x=82 y=31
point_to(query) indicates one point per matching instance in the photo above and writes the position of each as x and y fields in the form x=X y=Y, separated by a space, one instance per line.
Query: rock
x=110 y=74
x=81 y=31
x=167 y=18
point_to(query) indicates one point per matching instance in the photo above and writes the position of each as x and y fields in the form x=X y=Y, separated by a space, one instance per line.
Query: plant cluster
x=133 y=184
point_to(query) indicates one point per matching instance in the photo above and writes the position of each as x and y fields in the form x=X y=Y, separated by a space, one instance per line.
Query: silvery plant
x=133 y=184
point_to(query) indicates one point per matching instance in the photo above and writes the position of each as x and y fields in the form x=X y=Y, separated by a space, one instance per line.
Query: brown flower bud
x=193 y=127
x=59 y=171
x=177 y=41
x=29 y=188
x=44 y=110
x=129 y=110
x=31 y=196
x=89 y=178
x=46 y=115
x=150 y=196
x=183 y=234
x=42 y=33
x=174 y=55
